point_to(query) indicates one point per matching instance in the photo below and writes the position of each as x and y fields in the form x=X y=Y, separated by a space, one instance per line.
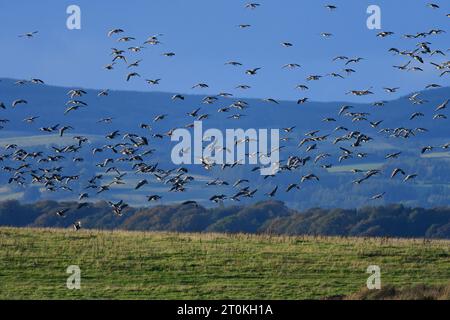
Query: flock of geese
x=125 y=152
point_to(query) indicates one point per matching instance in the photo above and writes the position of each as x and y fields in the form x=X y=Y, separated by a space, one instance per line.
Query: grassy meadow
x=134 y=265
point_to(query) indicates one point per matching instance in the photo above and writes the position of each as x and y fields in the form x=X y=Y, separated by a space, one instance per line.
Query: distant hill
x=144 y=265
x=130 y=109
x=271 y=217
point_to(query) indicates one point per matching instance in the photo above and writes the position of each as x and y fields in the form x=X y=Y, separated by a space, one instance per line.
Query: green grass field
x=132 y=265
x=349 y=168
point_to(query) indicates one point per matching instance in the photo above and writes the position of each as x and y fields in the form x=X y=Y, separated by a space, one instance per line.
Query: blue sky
x=204 y=35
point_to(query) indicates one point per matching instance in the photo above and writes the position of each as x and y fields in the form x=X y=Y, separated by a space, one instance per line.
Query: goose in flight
x=348 y=71
x=410 y=177
x=105 y=120
x=153 y=198
x=61 y=213
x=113 y=135
x=64 y=129
x=252 y=72
x=313 y=78
x=291 y=66
x=393 y=155
x=194 y=113
x=134 y=64
x=271 y=100
x=427 y=148
x=233 y=63
x=28 y=34
x=159 y=117
x=437 y=52
x=252 y=5
x=36 y=81
x=116 y=51
x=326 y=34
x=178 y=97
x=396 y=171
x=132 y=74
x=83 y=196
x=200 y=85
x=443 y=105
x=155 y=37
x=130 y=148
x=391 y=90
x=224 y=95
x=136 y=49
x=439 y=116
x=289 y=129
x=344 y=109
x=354 y=60
x=309 y=177
x=375 y=124
x=335 y=75
x=121 y=57
x=239 y=182
x=378 y=196
x=49 y=129
x=360 y=92
x=190 y=203
x=118 y=207
x=236 y=116
x=394 y=50
x=73 y=101
x=77 y=225
x=415 y=115
x=301 y=87
x=103 y=93
x=272 y=193
x=141 y=184
x=19 y=101
x=125 y=39
x=340 y=58
x=30 y=119
x=76 y=93
x=384 y=34
x=292 y=186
